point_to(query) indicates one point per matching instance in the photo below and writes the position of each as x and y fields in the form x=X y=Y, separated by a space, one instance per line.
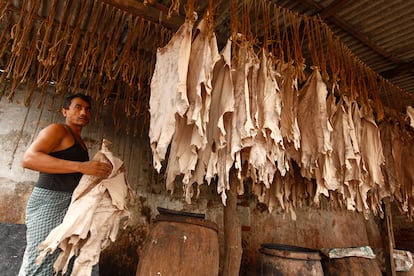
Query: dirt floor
x=12 y=244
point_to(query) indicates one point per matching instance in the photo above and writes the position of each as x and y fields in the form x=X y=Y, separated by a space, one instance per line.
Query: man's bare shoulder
x=54 y=128
x=54 y=137
x=54 y=131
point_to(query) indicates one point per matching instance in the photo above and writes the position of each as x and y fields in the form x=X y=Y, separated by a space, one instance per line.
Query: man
x=61 y=157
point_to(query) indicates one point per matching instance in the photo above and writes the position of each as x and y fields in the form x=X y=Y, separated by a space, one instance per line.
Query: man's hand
x=96 y=168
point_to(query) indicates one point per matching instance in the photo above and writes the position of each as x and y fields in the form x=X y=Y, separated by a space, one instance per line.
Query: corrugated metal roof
x=386 y=25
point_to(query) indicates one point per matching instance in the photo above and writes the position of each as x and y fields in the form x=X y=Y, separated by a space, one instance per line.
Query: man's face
x=79 y=112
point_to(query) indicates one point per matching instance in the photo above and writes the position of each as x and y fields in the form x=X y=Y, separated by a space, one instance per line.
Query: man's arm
x=54 y=138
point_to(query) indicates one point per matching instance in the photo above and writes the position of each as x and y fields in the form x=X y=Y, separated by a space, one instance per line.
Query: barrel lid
x=185 y=217
x=165 y=211
x=287 y=247
x=189 y=220
x=290 y=251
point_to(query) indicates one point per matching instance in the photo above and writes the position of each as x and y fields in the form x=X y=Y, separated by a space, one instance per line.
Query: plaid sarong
x=45 y=210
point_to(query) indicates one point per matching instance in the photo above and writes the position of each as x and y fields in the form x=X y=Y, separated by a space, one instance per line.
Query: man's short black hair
x=68 y=99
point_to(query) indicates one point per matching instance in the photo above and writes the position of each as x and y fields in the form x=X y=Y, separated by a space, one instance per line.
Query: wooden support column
x=232 y=231
x=387 y=236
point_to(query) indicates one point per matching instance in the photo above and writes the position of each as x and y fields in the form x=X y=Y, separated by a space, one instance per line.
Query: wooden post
x=387 y=236
x=232 y=231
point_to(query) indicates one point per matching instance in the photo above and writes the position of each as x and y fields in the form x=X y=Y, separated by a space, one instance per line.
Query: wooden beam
x=233 y=249
x=157 y=15
x=387 y=236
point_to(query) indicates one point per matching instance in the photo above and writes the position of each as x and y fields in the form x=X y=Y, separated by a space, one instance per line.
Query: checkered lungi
x=45 y=210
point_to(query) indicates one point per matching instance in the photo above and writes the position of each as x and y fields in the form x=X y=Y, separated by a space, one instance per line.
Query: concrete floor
x=12 y=244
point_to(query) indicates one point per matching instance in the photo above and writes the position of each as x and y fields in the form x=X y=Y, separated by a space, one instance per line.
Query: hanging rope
x=96 y=48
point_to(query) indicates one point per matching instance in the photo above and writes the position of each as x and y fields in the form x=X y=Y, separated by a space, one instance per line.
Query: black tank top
x=64 y=182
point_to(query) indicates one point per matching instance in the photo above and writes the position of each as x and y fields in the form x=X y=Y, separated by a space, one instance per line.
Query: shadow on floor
x=12 y=245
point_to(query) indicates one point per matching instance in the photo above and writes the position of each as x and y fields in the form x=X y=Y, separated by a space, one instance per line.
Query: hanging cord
x=48 y=33
x=190 y=11
x=60 y=74
x=129 y=68
x=97 y=46
x=234 y=19
x=295 y=22
x=374 y=91
x=18 y=30
x=122 y=61
x=246 y=22
x=29 y=92
x=141 y=29
x=50 y=56
x=362 y=88
x=116 y=16
x=106 y=19
x=129 y=94
x=285 y=38
x=342 y=72
x=210 y=19
x=5 y=9
x=115 y=54
x=5 y=36
x=75 y=35
x=320 y=42
x=281 y=53
x=76 y=46
x=311 y=43
x=90 y=36
x=22 y=47
x=265 y=12
x=131 y=73
x=174 y=8
x=348 y=71
x=332 y=54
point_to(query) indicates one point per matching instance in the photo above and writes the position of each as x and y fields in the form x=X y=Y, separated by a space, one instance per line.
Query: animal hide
x=97 y=209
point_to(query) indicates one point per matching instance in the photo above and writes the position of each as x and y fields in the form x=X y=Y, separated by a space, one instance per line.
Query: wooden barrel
x=180 y=244
x=351 y=266
x=277 y=259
